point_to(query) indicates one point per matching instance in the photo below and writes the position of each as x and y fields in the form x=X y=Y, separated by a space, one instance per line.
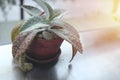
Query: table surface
x=100 y=60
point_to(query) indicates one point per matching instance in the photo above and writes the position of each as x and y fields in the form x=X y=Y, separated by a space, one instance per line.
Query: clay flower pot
x=44 y=51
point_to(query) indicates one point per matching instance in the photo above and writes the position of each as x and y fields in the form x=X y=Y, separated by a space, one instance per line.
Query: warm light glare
x=116 y=10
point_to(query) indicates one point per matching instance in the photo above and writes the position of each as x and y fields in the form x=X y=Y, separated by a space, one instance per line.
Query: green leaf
x=36 y=26
x=50 y=9
x=46 y=7
x=31 y=10
x=57 y=13
x=30 y=22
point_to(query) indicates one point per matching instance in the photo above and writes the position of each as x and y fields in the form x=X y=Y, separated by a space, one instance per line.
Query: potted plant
x=39 y=38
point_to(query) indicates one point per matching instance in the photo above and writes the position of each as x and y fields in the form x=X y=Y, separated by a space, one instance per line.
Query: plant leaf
x=65 y=26
x=68 y=33
x=71 y=38
x=36 y=26
x=22 y=42
x=50 y=9
x=31 y=10
x=56 y=14
x=30 y=22
x=46 y=7
x=74 y=51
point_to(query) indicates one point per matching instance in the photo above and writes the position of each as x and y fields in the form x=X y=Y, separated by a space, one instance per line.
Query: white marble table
x=100 y=60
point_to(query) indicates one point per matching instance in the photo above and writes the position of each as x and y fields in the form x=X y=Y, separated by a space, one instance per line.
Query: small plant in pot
x=39 y=38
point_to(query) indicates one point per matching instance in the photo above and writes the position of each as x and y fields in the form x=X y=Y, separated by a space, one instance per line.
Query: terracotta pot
x=44 y=51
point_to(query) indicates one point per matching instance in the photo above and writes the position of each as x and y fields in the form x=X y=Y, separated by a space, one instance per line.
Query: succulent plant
x=46 y=21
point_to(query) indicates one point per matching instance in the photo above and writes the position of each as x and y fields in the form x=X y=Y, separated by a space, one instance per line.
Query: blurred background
x=84 y=15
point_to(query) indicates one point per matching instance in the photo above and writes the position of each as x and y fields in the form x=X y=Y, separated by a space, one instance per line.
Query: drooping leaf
x=24 y=66
x=15 y=31
x=30 y=22
x=22 y=42
x=70 y=37
x=74 y=51
x=19 y=47
x=46 y=7
x=65 y=26
x=31 y=10
x=69 y=33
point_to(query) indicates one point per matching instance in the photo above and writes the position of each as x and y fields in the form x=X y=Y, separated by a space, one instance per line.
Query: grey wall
x=5 y=31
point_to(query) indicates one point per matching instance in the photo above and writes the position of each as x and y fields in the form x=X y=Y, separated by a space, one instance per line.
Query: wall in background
x=83 y=14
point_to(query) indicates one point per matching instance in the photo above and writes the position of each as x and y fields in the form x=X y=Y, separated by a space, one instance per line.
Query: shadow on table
x=43 y=72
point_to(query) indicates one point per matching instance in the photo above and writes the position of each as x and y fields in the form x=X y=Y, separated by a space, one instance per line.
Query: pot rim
x=43 y=61
x=50 y=39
